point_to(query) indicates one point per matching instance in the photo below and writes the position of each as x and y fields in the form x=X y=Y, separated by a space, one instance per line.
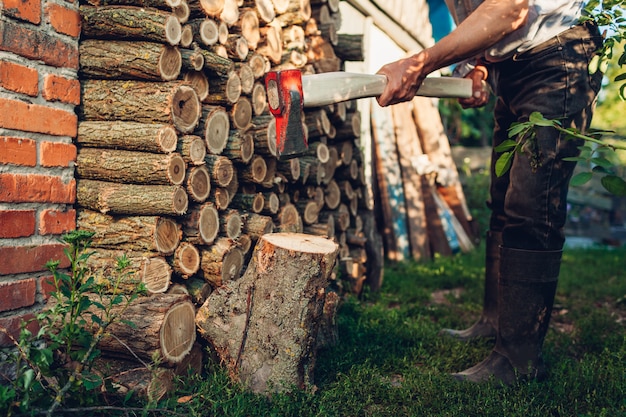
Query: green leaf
x=506 y=145
x=601 y=161
x=580 y=179
x=96 y=319
x=574 y=159
x=503 y=163
x=598 y=169
x=27 y=378
x=91 y=380
x=129 y=323
x=537 y=118
x=585 y=151
x=517 y=128
x=622 y=91
x=614 y=184
x=593 y=65
x=621 y=77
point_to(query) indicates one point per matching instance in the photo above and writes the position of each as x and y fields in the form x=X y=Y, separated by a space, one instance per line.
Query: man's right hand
x=480 y=95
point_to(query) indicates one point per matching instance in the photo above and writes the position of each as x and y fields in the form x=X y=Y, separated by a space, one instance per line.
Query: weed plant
x=390 y=360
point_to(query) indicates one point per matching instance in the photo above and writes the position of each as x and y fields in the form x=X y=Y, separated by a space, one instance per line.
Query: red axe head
x=284 y=96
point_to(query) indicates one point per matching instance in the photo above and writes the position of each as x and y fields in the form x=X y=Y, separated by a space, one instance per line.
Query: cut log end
x=156 y=275
x=173 y=30
x=186 y=109
x=167 y=138
x=166 y=236
x=216 y=131
x=178 y=332
x=170 y=63
x=199 y=183
x=300 y=242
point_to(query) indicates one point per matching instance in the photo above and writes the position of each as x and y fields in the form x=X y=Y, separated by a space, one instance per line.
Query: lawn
x=390 y=360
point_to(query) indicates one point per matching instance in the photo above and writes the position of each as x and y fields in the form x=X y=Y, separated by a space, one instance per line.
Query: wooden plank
x=435 y=144
x=409 y=148
x=390 y=184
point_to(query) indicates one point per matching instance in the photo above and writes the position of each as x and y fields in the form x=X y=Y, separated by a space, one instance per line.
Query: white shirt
x=546 y=19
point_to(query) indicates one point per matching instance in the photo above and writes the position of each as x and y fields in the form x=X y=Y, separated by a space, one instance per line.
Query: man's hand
x=404 y=77
x=480 y=95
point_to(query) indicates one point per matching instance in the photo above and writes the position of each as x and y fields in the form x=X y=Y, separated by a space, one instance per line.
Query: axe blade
x=284 y=92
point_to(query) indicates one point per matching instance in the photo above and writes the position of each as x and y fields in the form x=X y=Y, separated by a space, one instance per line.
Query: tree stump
x=264 y=325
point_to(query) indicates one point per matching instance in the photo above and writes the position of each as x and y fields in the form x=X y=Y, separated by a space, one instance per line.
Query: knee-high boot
x=485 y=327
x=528 y=281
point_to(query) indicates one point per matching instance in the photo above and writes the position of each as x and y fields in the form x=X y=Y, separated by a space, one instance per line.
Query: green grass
x=390 y=360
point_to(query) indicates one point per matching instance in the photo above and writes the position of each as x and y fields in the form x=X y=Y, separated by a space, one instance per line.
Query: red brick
x=47 y=286
x=27 y=117
x=13 y=326
x=19 y=78
x=29 y=10
x=38 y=45
x=18 y=151
x=23 y=259
x=54 y=222
x=56 y=88
x=23 y=188
x=17 y=294
x=55 y=154
x=17 y=223
x=64 y=20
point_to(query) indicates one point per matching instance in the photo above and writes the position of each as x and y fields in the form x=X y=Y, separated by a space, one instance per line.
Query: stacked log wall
x=177 y=164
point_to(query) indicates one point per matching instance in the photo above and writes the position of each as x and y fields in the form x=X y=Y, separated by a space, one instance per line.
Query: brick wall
x=39 y=91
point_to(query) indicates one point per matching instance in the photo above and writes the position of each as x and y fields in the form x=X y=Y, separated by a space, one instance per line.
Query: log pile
x=177 y=165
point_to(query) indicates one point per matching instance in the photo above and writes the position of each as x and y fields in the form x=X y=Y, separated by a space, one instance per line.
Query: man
x=535 y=55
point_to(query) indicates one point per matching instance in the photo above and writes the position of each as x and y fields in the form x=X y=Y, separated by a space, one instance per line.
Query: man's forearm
x=487 y=25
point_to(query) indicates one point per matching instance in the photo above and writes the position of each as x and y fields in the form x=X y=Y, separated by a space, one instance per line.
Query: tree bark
x=130 y=167
x=131 y=136
x=221 y=169
x=114 y=198
x=240 y=147
x=132 y=233
x=221 y=262
x=130 y=22
x=192 y=148
x=163 y=327
x=264 y=326
x=138 y=60
x=149 y=269
x=141 y=101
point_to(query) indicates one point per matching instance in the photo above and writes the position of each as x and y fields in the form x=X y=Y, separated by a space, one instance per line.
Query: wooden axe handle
x=334 y=87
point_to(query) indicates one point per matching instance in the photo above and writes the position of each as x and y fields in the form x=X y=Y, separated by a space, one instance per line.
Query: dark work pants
x=528 y=203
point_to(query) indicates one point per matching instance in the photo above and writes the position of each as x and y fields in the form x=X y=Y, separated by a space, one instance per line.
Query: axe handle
x=334 y=87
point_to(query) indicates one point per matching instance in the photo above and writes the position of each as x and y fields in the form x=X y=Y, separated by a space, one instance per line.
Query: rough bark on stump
x=264 y=326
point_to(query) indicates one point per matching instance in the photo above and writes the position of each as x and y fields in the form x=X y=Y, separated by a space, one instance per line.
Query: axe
x=288 y=92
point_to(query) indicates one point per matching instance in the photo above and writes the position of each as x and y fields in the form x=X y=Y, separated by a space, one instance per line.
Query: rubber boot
x=528 y=281
x=485 y=327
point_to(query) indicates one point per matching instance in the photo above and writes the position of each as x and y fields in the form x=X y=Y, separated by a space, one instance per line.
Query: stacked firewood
x=177 y=167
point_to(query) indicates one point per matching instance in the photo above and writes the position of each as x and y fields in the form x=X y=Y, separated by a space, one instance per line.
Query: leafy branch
x=609 y=14
x=53 y=366
x=595 y=152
